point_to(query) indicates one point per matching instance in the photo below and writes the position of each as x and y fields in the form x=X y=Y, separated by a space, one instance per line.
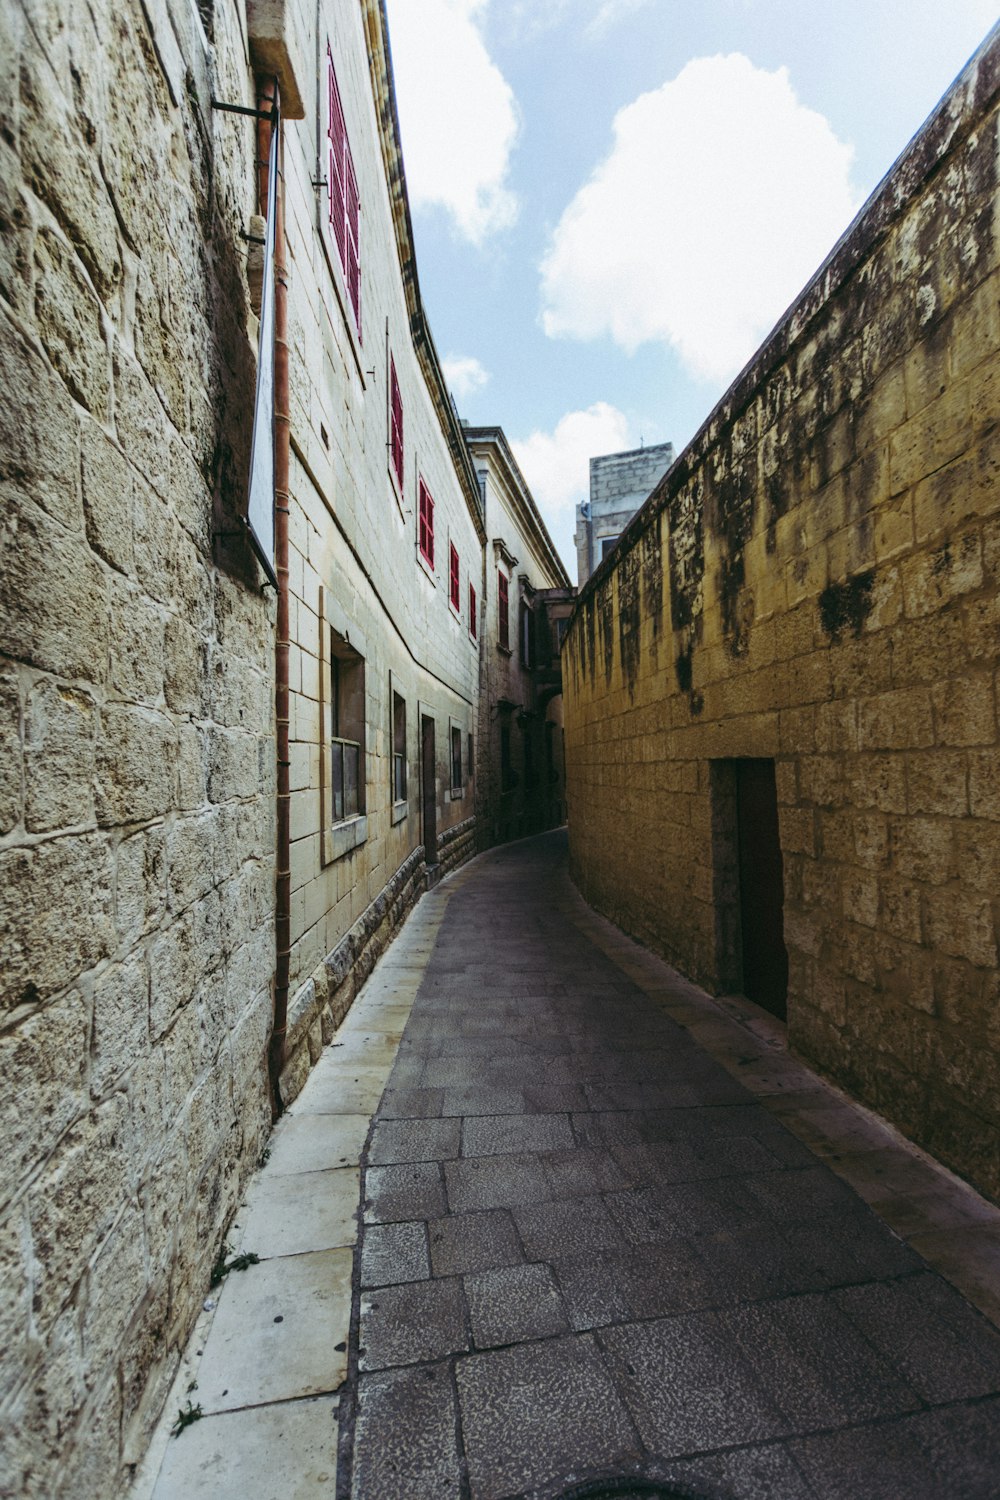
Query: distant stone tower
x=619 y=483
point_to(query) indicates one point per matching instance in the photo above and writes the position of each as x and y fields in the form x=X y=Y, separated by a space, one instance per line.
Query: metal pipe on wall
x=267 y=96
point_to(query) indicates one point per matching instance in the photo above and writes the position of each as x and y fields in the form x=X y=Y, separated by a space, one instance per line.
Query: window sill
x=425 y=565
x=343 y=837
x=505 y=650
x=455 y=794
x=400 y=810
x=455 y=613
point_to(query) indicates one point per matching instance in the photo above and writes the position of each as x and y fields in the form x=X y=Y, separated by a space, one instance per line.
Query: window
x=473 y=623
x=342 y=192
x=395 y=424
x=527 y=634
x=607 y=544
x=508 y=780
x=456 y=759
x=425 y=523
x=398 y=748
x=347 y=716
x=454 y=585
x=528 y=756
x=504 y=612
x=471 y=761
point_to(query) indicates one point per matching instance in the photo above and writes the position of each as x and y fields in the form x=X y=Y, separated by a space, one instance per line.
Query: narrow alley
x=592 y=1262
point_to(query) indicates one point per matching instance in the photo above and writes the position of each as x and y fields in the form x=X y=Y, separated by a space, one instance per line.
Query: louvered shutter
x=396 y=423
x=353 y=265
x=336 y=182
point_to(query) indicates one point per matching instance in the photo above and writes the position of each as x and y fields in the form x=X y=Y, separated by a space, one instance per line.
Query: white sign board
x=260 y=500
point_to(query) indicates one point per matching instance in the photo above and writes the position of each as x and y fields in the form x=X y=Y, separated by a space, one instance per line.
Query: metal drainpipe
x=282 y=445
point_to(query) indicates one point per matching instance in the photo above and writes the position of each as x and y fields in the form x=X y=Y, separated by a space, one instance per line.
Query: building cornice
x=383 y=90
x=528 y=514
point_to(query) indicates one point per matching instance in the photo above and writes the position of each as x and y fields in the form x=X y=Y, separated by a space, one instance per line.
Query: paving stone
x=473 y=1242
x=508 y=1135
x=514 y=1304
x=554 y=1098
x=392 y=1253
x=815 y=1365
x=766 y=1473
x=540 y=1414
x=581 y=1173
x=276 y=1332
x=284 y=1217
x=405 y=1439
x=941 y=1345
x=567 y=1228
x=412 y=1104
x=395 y=1141
x=482 y=1101
x=231 y=1456
x=952 y=1454
x=411 y=1191
x=494 y=1182
x=592 y=1288
x=687 y=1387
x=406 y=1325
x=311 y=1142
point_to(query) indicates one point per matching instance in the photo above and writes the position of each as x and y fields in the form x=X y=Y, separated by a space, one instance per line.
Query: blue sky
x=614 y=200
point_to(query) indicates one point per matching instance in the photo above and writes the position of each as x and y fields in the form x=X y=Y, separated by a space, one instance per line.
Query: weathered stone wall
x=815 y=582
x=136 y=765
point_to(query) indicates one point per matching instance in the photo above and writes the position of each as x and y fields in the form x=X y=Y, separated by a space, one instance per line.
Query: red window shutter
x=504 y=616
x=472 y=612
x=454 y=586
x=353 y=266
x=395 y=423
x=425 y=539
x=336 y=182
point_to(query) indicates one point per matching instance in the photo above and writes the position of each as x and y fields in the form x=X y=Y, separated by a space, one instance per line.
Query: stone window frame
x=503 y=611
x=399 y=807
x=456 y=790
x=454 y=580
x=425 y=528
x=394 y=421
x=340 y=637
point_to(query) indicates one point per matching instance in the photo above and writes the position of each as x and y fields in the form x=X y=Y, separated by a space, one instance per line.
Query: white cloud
x=464 y=374
x=609 y=13
x=557 y=464
x=458 y=114
x=720 y=197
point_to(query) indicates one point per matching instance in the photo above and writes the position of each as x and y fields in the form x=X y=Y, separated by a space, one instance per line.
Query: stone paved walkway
x=589 y=1248
x=589 y=1252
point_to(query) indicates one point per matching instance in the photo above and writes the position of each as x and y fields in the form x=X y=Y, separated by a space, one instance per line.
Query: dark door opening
x=428 y=786
x=765 y=957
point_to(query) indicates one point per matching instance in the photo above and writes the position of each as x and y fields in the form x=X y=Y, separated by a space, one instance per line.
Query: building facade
x=525 y=601
x=385 y=546
x=781 y=717
x=619 y=483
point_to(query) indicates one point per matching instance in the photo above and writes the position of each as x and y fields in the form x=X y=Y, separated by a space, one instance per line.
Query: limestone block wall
x=354 y=563
x=815 y=583
x=136 y=764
